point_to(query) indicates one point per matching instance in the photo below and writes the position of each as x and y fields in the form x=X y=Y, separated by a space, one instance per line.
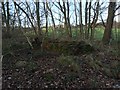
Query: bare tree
x=63 y=9
x=68 y=19
x=53 y=21
x=75 y=12
x=31 y=13
x=27 y=17
x=46 y=16
x=75 y=16
x=38 y=18
x=89 y=18
x=86 y=13
x=109 y=23
x=28 y=40
x=95 y=19
x=8 y=17
x=65 y=16
x=4 y=13
x=80 y=18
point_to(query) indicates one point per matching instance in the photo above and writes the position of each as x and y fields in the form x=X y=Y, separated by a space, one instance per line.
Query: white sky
x=72 y=18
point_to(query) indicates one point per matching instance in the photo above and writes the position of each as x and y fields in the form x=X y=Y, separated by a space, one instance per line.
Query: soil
x=50 y=74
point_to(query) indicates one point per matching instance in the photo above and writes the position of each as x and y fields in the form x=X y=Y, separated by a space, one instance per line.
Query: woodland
x=62 y=44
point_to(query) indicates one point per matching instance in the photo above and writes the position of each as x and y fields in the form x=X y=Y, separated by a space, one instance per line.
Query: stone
x=21 y=63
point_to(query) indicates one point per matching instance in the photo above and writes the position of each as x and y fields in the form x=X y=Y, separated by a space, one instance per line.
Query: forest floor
x=26 y=68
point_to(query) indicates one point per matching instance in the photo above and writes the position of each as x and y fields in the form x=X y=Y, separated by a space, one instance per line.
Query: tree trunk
x=65 y=18
x=89 y=23
x=38 y=18
x=46 y=17
x=95 y=18
x=7 y=21
x=68 y=19
x=75 y=17
x=109 y=23
x=86 y=9
x=4 y=17
x=53 y=21
x=80 y=19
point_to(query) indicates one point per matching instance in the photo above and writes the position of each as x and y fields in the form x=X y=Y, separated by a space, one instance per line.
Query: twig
x=1 y=57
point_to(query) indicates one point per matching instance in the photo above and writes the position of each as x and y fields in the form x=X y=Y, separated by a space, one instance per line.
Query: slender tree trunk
x=38 y=18
x=7 y=20
x=13 y=23
x=89 y=23
x=68 y=18
x=75 y=17
x=86 y=12
x=95 y=18
x=80 y=18
x=29 y=10
x=63 y=10
x=28 y=18
x=53 y=21
x=3 y=7
x=75 y=12
x=46 y=17
x=65 y=18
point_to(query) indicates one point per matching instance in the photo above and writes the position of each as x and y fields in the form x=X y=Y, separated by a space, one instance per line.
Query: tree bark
x=109 y=23
x=4 y=17
x=80 y=18
x=89 y=22
x=95 y=18
x=46 y=16
x=75 y=17
x=53 y=21
x=38 y=18
x=7 y=21
x=86 y=12
x=65 y=18
x=68 y=19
